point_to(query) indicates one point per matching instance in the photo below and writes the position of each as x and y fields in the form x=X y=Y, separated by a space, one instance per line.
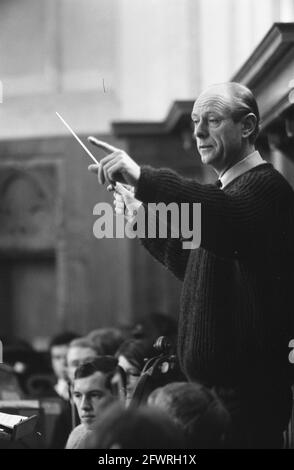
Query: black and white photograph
x=146 y=228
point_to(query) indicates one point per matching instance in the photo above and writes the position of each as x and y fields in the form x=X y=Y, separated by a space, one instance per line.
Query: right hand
x=116 y=166
x=125 y=201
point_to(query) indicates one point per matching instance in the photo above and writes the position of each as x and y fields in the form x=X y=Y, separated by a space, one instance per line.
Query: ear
x=248 y=125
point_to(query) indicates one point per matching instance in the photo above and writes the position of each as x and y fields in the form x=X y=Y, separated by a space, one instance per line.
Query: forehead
x=79 y=353
x=95 y=381
x=59 y=349
x=218 y=101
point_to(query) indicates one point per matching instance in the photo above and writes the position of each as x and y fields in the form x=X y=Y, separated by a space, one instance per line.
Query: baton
x=77 y=138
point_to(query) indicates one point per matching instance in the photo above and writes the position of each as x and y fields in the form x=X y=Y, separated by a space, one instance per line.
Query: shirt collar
x=249 y=162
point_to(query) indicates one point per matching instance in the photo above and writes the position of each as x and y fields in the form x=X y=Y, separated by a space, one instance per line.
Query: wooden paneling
x=59 y=276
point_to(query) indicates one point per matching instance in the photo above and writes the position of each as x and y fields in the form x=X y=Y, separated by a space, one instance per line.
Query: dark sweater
x=236 y=302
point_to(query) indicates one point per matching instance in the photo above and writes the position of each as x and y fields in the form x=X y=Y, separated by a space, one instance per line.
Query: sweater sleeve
x=168 y=250
x=231 y=222
x=170 y=253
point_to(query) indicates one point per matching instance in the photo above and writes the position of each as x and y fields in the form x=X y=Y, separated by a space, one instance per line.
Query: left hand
x=125 y=202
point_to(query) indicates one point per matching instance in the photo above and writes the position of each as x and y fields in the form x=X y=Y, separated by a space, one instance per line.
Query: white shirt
x=249 y=162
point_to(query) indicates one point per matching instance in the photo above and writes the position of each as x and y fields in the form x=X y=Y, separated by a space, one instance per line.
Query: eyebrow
x=94 y=390
x=218 y=113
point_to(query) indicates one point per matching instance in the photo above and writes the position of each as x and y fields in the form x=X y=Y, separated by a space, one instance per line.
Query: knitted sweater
x=79 y=438
x=236 y=301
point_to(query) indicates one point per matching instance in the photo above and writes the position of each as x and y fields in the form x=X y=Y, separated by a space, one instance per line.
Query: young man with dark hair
x=92 y=391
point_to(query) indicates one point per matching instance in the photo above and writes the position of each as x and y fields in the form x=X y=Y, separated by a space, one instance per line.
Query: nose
x=85 y=403
x=201 y=129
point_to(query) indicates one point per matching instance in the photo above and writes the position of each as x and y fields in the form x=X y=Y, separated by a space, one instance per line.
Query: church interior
x=126 y=72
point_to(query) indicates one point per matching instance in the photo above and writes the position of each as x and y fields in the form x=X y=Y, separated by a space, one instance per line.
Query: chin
x=207 y=159
x=210 y=159
x=91 y=427
x=89 y=423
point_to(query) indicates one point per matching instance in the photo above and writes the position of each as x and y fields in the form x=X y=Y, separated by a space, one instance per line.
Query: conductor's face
x=218 y=137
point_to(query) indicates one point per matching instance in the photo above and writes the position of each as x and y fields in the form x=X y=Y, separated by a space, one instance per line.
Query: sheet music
x=11 y=420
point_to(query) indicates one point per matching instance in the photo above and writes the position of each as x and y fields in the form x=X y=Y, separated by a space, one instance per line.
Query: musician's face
x=88 y=395
x=132 y=376
x=76 y=356
x=58 y=360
